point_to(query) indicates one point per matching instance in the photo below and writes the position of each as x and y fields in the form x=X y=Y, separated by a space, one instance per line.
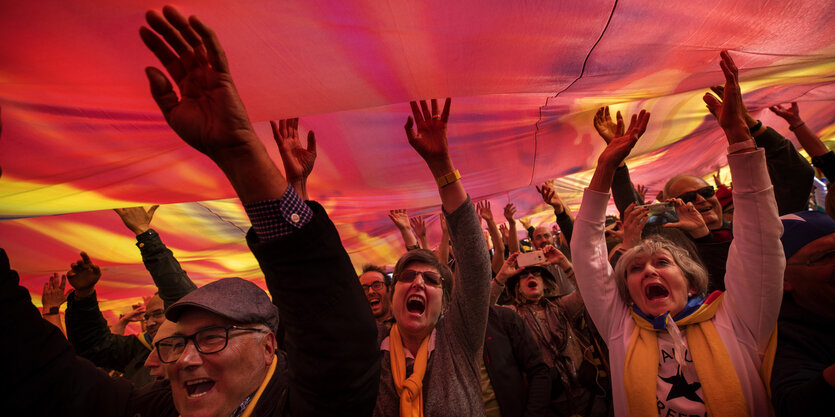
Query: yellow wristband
x=448 y=179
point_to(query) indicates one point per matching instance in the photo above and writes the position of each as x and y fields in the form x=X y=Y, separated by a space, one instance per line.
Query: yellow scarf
x=720 y=384
x=410 y=389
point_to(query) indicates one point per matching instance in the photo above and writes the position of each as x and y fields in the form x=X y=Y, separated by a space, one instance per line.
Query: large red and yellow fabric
x=81 y=134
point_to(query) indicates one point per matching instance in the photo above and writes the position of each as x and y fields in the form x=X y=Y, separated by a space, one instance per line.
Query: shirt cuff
x=273 y=219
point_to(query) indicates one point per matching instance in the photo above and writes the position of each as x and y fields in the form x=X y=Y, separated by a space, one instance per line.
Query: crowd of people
x=697 y=311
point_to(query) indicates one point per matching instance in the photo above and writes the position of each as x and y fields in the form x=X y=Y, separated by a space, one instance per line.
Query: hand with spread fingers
x=634 y=220
x=137 y=219
x=484 y=210
x=400 y=218
x=53 y=292
x=509 y=212
x=689 y=219
x=419 y=227
x=642 y=191
x=208 y=114
x=83 y=276
x=604 y=125
x=298 y=161
x=207 y=111
x=551 y=198
x=618 y=149
x=791 y=114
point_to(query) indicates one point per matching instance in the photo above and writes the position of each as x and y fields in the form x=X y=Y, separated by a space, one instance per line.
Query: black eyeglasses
x=534 y=272
x=154 y=314
x=429 y=277
x=690 y=196
x=207 y=341
x=376 y=286
x=824 y=258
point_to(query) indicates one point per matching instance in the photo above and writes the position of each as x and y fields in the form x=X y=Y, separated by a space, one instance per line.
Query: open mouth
x=655 y=292
x=532 y=284
x=374 y=302
x=415 y=304
x=199 y=387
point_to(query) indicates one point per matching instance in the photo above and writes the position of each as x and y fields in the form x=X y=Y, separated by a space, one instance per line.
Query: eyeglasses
x=429 y=277
x=824 y=258
x=207 y=341
x=154 y=314
x=690 y=196
x=376 y=286
x=534 y=272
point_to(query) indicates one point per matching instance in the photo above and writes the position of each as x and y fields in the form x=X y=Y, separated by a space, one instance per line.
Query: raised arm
x=564 y=217
x=623 y=191
x=87 y=329
x=467 y=312
x=298 y=161
x=419 y=227
x=52 y=297
x=595 y=277
x=513 y=238
x=821 y=156
x=754 y=278
x=171 y=280
x=486 y=213
x=401 y=221
x=789 y=171
x=309 y=274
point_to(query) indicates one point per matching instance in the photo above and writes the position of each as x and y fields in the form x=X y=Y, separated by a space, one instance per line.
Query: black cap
x=233 y=298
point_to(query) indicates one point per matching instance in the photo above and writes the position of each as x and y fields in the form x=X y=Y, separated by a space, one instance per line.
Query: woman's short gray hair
x=690 y=265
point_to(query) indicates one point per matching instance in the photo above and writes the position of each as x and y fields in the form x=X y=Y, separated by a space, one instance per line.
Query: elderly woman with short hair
x=675 y=350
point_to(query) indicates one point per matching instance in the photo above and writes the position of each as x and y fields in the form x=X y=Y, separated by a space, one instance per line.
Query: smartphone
x=530 y=258
x=661 y=213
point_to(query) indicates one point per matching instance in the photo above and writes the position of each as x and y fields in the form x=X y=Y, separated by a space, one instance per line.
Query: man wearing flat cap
x=803 y=379
x=221 y=359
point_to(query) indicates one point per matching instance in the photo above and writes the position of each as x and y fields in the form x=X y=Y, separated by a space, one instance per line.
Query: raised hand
x=550 y=197
x=298 y=161
x=642 y=191
x=789 y=114
x=419 y=226
x=484 y=210
x=137 y=314
x=399 y=218
x=505 y=232
x=83 y=276
x=53 y=292
x=731 y=113
x=137 y=219
x=208 y=114
x=509 y=268
x=634 y=219
x=553 y=256
x=430 y=140
x=689 y=219
x=509 y=212
x=618 y=149
x=604 y=125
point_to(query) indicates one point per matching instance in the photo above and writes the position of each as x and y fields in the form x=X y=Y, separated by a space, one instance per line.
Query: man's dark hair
x=376 y=268
x=427 y=257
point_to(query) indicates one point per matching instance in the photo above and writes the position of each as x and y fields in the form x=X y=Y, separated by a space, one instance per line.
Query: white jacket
x=754 y=280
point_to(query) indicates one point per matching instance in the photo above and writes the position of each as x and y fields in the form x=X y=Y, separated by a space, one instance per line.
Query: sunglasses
x=429 y=277
x=691 y=196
